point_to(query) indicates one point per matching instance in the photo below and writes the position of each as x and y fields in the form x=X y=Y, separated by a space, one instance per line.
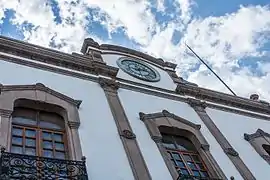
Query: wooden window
x=184 y=156
x=38 y=133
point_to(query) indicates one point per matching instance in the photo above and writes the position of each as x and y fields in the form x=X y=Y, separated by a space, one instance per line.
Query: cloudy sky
x=233 y=36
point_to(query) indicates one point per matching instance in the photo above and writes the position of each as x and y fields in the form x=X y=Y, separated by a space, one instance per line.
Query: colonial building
x=113 y=113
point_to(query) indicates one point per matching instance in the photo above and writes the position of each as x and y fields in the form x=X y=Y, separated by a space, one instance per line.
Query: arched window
x=184 y=156
x=38 y=133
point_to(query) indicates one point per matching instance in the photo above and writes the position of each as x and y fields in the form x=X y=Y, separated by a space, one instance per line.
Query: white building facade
x=115 y=113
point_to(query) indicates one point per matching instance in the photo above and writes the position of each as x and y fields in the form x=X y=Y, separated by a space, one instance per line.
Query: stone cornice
x=89 y=42
x=73 y=61
x=109 y=85
x=165 y=113
x=258 y=133
x=222 y=98
x=41 y=87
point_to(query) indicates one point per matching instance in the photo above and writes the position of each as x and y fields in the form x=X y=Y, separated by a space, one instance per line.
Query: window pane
x=187 y=157
x=59 y=146
x=196 y=158
x=30 y=142
x=266 y=148
x=196 y=173
x=60 y=155
x=191 y=165
x=180 y=164
x=176 y=156
x=30 y=151
x=17 y=131
x=17 y=140
x=23 y=120
x=47 y=145
x=200 y=166
x=58 y=137
x=49 y=125
x=168 y=142
x=184 y=171
x=47 y=135
x=47 y=153
x=16 y=149
x=184 y=144
x=204 y=174
x=30 y=133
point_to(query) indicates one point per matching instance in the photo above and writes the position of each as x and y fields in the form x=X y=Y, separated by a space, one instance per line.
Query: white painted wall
x=233 y=127
x=100 y=141
x=165 y=82
x=134 y=102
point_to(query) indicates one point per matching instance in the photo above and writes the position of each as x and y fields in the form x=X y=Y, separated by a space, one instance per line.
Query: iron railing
x=22 y=167
x=188 y=177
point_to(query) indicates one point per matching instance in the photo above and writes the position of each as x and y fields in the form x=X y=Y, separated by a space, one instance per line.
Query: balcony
x=188 y=177
x=20 y=167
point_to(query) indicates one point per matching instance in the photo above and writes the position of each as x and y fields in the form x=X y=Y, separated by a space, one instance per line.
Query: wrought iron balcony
x=188 y=177
x=21 y=167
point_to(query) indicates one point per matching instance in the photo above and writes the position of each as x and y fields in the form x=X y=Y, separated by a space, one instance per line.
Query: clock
x=138 y=69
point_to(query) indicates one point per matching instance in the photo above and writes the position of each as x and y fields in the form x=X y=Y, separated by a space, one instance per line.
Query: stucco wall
x=134 y=102
x=100 y=141
x=233 y=127
x=165 y=80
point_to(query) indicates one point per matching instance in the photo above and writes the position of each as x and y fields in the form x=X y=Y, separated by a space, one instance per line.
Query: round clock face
x=138 y=69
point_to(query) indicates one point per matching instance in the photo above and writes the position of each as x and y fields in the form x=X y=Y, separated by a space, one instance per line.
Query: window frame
x=40 y=97
x=257 y=140
x=179 y=126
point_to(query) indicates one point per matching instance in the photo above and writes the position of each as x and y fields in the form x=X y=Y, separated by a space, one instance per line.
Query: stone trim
x=183 y=127
x=222 y=98
x=43 y=88
x=127 y=136
x=59 y=59
x=233 y=155
x=89 y=42
x=81 y=63
x=257 y=140
x=40 y=97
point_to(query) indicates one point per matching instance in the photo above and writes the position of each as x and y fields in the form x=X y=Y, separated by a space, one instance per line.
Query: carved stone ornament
x=258 y=133
x=196 y=103
x=231 y=151
x=73 y=125
x=108 y=84
x=128 y=134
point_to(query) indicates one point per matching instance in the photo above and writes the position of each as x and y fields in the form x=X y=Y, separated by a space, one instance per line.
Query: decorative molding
x=74 y=124
x=258 y=133
x=166 y=113
x=257 y=140
x=155 y=121
x=132 y=149
x=43 y=88
x=89 y=43
x=128 y=134
x=222 y=98
x=84 y=64
x=223 y=142
x=109 y=85
x=230 y=151
x=5 y=113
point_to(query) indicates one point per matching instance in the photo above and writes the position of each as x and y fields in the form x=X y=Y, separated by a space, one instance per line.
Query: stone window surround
x=186 y=128
x=40 y=97
x=257 y=140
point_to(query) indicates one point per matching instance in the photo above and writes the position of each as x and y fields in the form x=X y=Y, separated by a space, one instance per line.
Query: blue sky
x=232 y=36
